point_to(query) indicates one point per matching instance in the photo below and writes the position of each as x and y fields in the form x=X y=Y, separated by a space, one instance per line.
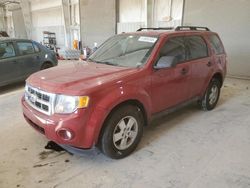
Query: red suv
x=107 y=100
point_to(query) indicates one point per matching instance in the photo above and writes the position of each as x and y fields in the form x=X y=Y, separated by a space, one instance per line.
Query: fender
x=114 y=98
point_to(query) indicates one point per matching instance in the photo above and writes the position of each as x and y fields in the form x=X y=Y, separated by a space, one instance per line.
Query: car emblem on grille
x=33 y=98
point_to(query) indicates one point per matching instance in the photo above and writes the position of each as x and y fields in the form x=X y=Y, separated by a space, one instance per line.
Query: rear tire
x=46 y=66
x=122 y=133
x=211 y=96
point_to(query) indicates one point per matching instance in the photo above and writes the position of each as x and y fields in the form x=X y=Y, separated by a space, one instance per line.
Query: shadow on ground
x=11 y=88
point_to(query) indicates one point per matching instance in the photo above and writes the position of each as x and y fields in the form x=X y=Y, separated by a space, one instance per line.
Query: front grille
x=39 y=100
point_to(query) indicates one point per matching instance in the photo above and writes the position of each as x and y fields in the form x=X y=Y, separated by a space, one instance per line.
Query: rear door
x=201 y=63
x=170 y=86
x=29 y=58
x=9 y=68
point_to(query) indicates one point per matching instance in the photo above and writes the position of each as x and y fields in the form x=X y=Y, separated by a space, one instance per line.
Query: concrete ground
x=188 y=148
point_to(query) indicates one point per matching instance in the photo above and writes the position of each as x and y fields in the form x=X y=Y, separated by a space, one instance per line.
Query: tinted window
x=174 y=47
x=25 y=48
x=6 y=50
x=197 y=47
x=216 y=44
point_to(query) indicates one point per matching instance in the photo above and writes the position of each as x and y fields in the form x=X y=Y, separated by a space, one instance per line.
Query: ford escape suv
x=108 y=99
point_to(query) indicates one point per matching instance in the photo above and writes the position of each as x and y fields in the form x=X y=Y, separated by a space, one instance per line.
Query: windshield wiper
x=109 y=63
x=106 y=63
x=102 y=62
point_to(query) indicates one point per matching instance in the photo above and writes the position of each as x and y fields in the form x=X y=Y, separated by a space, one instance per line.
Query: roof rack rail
x=193 y=28
x=155 y=28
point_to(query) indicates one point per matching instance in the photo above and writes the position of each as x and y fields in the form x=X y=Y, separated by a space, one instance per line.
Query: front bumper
x=84 y=129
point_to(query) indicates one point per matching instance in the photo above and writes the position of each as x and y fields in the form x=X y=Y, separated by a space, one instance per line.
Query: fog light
x=65 y=134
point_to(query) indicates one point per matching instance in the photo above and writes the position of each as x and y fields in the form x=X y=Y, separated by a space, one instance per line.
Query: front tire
x=211 y=96
x=123 y=132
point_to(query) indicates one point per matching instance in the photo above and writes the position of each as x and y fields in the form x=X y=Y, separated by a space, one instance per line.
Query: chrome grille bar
x=40 y=100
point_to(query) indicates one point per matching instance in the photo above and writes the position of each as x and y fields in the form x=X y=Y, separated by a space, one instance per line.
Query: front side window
x=174 y=47
x=7 y=50
x=216 y=44
x=25 y=48
x=125 y=50
x=197 y=47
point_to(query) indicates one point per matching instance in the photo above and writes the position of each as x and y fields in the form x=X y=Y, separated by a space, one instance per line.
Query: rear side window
x=216 y=44
x=174 y=47
x=36 y=47
x=7 y=50
x=197 y=47
x=25 y=48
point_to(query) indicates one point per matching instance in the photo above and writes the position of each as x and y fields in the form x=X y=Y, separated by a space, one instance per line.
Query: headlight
x=68 y=104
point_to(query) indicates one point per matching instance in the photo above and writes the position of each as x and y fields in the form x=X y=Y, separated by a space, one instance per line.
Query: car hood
x=77 y=77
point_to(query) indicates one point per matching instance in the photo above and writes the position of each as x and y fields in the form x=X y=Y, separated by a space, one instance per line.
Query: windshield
x=124 y=50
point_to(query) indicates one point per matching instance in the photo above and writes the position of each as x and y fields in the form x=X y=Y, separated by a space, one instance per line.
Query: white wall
x=10 y=26
x=231 y=19
x=18 y=23
x=2 y=22
x=132 y=11
x=134 y=14
x=37 y=5
x=98 y=21
x=167 y=13
x=47 y=16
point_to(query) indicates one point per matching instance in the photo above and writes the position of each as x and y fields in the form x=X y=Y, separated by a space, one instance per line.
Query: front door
x=170 y=86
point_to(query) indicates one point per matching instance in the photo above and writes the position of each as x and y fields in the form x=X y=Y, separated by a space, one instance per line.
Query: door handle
x=209 y=64
x=184 y=71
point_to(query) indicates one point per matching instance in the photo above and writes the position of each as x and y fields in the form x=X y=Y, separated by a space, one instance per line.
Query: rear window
x=25 y=48
x=216 y=44
x=197 y=47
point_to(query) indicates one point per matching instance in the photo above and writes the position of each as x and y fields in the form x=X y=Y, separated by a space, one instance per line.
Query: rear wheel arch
x=218 y=76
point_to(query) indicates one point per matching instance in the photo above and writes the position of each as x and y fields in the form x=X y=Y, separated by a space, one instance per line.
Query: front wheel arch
x=133 y=102
x=106 y=143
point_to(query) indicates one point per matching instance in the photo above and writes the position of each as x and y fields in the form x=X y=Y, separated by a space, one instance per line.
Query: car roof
x=9 y=39
x=181 y=30
x=164 y=33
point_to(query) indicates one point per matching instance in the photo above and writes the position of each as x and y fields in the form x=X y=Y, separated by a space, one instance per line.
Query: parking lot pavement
x=188 y=148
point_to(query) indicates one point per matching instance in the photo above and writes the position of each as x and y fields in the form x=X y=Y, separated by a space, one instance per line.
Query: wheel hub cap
x=213 y=95
x=125 y=132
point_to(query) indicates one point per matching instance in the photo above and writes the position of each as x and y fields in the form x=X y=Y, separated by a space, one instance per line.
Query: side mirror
x=166 y=62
